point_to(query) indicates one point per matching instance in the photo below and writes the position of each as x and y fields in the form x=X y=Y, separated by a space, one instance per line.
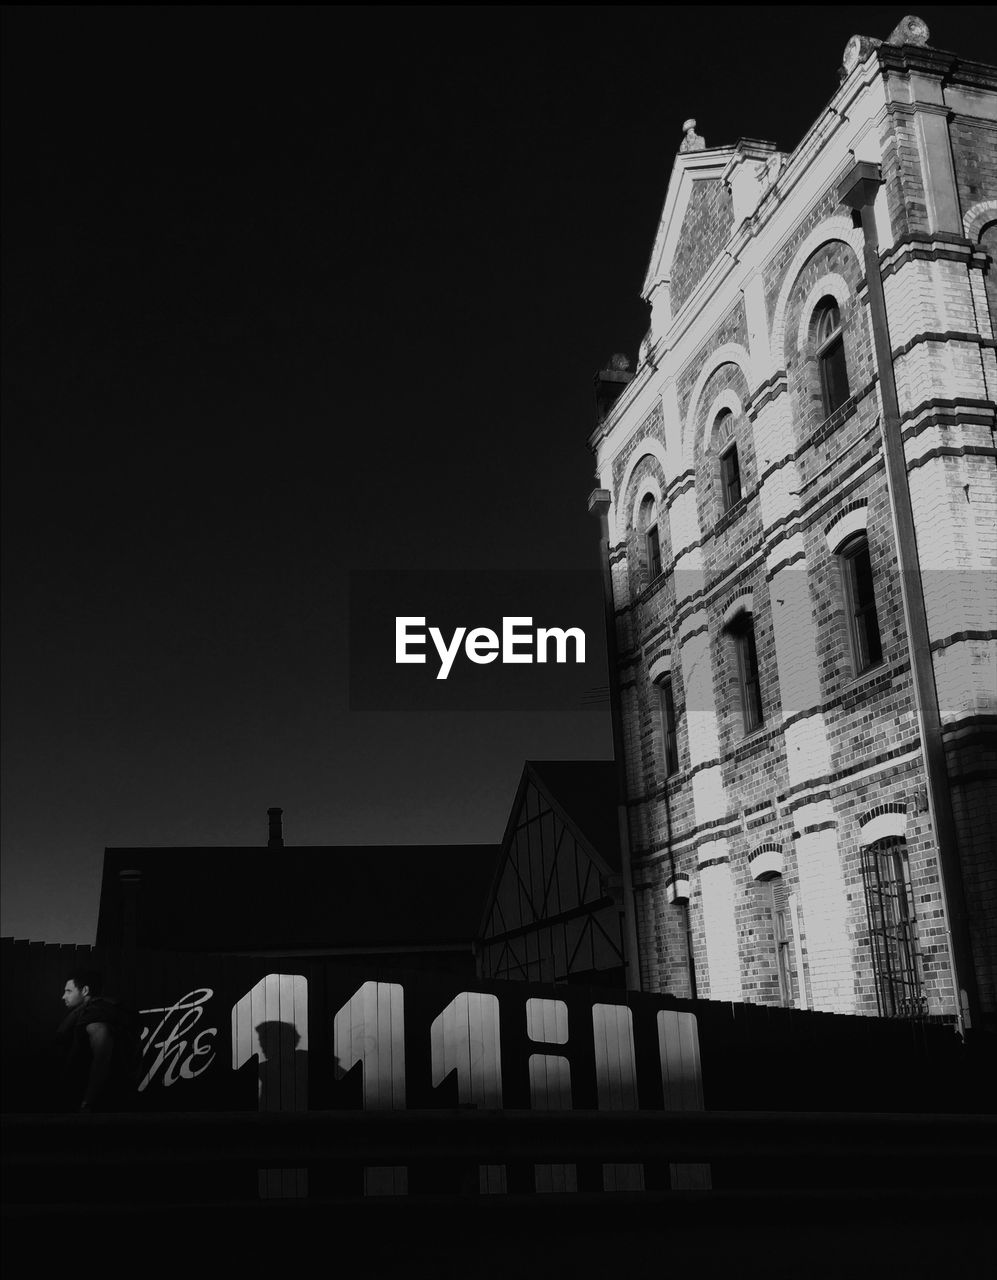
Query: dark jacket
x=76 y=1055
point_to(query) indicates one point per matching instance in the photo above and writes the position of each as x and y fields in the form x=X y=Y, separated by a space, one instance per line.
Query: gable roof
x=586 y=793
x=299 y=898
x=690 y=169
x=583 y=794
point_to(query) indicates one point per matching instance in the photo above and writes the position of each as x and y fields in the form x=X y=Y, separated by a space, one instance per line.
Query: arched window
x=666 y=702
x=730 y=467
x=988 y=242
x=892 y=934
x=652 y=538
x=778 y=904
x=860 y=603
x=742 y=633
x=766 y=865
x=830 y=356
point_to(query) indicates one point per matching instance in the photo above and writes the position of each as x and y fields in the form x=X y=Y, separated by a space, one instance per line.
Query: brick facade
x=798 y=813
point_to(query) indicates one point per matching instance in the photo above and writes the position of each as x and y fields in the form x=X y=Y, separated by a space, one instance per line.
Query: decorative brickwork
x=766 y=817
x=974 y=150
x=705 y=229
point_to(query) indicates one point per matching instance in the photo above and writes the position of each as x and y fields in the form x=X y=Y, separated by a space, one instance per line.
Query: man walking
x=99 y=1046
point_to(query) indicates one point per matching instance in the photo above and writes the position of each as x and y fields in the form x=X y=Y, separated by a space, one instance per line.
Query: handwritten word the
x=170 y=1046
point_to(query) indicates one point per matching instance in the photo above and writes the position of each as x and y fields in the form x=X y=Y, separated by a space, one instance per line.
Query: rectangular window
x=747 y=672
x=668 y=727
x=860 y=602
x=892 y=938
x=730 y=478
x=653 y=553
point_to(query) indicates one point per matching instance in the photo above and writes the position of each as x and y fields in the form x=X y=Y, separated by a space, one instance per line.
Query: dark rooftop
x=299 y=898
x=587 y=792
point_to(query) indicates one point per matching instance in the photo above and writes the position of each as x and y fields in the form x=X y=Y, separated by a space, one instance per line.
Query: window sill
x=748 y=742
x=732 y=515
x=868 y=674
x=855 y=687
x=654 y=586
x=833 y=421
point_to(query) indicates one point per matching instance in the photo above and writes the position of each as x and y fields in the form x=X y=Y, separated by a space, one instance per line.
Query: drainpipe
x=858 y=191
x=600 y=501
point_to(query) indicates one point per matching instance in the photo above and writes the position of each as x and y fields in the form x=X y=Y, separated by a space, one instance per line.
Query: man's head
x=80 y=987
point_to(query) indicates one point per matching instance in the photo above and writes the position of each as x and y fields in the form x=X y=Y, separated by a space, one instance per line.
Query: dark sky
x=291 y=292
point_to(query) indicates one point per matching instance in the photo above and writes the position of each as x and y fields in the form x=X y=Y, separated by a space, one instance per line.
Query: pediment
x=687 y=195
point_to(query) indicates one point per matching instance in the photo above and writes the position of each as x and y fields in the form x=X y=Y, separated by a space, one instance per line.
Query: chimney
x=609 y=383
x=276 y=837
x=130 y=881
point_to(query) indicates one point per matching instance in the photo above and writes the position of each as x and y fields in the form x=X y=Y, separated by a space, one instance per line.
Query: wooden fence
x=237 y=1033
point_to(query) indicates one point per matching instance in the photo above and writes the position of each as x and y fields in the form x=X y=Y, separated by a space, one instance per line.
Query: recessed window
x=652 y=538
x=730 y=477
x=742 y=632
x=892 y=935
x=653 y=546
x=988 y=242
x=667 y=703
x=860 y=604
x=779 y=906
x=730 y=466
x=831 y=356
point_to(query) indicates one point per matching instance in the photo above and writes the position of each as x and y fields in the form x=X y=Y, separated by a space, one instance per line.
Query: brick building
x=798 y=495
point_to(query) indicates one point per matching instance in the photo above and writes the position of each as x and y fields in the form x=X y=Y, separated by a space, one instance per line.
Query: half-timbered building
x=554 y=911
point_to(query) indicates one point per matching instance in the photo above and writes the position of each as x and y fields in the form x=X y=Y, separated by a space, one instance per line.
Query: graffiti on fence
x=172 y=1046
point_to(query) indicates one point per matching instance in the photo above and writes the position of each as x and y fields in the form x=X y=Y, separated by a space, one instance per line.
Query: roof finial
x=910 y=30
x=692 y=141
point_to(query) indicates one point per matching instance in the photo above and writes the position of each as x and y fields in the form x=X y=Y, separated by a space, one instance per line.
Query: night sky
x=296 y=292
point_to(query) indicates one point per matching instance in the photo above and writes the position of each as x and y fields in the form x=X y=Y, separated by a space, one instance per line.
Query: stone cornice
x=927 y=61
